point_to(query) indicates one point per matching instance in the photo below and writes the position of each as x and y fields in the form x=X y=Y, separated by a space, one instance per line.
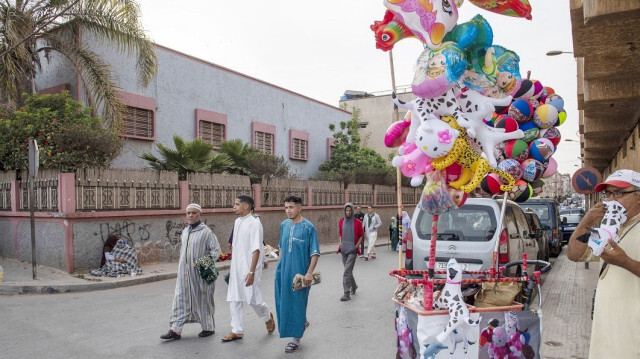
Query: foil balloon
x=513 y=8
x=397 y=133
x=428 y=20
x=474 y=34
x=495 y=72
x=389 y=31
x=438 y=70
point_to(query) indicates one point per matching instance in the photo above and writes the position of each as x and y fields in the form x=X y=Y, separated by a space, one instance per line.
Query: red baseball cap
x=620 y=178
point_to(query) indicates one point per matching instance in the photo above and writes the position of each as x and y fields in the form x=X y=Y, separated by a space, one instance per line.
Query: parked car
x=548 y=211
x=538 y=232
x=469 y=234
x=568 y=224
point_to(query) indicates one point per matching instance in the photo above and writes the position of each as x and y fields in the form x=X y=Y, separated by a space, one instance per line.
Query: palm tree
x=188 y=157
x=239 y=154
x=31 y=30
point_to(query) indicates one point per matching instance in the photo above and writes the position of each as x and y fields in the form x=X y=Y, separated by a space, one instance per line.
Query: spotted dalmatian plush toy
x=613 y=218
x=470 y=109
x=451 y=298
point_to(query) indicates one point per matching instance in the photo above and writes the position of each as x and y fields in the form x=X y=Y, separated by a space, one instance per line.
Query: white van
x=469 y=234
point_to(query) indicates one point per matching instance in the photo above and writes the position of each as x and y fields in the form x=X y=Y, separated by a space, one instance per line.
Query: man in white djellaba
x=245 y=273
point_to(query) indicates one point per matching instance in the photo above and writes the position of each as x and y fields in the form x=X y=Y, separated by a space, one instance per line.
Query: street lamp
x=558 y=52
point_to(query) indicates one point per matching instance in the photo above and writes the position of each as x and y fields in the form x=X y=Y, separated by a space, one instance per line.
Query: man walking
x=193 y=299
x=360 y=216
x=351 y=235
x=245 y=273
x=371 y=224
x=299 y=253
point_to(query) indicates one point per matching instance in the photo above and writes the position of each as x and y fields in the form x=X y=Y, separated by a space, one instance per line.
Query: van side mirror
x=538 y=233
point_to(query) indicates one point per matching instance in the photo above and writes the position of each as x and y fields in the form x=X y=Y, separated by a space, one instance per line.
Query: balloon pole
x=398 y=173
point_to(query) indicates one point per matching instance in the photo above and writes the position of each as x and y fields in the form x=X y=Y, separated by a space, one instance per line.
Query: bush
x=68 y=136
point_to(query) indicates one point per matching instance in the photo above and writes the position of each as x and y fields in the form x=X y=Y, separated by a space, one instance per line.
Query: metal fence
x=120 y=189
x=385 y=195
x=275 y=190
x=216 y=190
x=45 y=187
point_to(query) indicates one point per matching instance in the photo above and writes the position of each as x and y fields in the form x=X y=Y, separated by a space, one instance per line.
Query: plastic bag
x=497 y=294
x=435 y=197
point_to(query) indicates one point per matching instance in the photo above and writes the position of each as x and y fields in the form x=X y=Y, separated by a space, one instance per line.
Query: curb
x=19 y=288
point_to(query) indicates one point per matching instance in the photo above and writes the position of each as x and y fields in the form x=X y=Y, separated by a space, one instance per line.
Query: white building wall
x=184 y=83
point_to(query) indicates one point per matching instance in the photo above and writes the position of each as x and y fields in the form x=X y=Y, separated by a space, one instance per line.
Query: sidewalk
x=18 y=276
x=567 y=293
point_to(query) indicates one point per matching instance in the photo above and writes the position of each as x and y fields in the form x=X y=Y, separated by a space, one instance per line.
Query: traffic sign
x=585 y=180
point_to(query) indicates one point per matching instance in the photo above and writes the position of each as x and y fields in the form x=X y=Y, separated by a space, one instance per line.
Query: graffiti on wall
x=127 y=230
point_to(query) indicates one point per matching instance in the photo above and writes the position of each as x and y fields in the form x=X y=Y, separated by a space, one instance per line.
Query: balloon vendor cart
x=442 y=323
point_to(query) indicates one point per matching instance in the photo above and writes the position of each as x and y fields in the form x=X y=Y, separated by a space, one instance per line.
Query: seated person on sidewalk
x=614 y=332
x=122 y=260
x=112 y=239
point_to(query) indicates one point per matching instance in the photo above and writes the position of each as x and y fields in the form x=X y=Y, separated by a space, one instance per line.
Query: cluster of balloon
x=536 y=112
x=475 y=120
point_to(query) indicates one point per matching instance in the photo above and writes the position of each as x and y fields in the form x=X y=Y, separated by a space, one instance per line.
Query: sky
x=320 y=50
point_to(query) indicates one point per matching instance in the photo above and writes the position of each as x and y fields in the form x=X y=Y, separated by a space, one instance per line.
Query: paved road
x=127 y=322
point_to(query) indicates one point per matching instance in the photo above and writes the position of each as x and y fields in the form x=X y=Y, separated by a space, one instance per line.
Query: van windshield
x=572 y=218
x=542 y=210
x=474 y=223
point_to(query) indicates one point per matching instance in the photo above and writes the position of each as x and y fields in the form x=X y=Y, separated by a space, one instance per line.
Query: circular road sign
x=585 y=180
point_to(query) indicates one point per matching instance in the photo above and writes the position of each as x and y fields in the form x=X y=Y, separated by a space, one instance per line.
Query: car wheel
x=556 y=251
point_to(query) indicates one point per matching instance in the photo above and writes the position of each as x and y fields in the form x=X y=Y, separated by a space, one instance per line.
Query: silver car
x=469 y=234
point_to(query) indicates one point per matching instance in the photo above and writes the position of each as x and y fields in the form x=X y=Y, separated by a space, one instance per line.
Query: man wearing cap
x=193 y=299
x=614 y=332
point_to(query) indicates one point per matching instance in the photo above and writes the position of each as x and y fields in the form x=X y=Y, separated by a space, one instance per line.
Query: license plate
x=443 y=266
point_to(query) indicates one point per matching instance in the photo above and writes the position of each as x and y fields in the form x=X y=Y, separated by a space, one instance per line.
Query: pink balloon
x=551 y=168
x=397 y=133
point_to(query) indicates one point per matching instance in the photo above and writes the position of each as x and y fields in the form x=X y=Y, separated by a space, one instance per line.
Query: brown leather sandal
x=231 y=337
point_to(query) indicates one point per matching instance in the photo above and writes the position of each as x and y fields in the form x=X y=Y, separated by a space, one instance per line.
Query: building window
x=263 y=137
x=138 y=122
x=212 y=133
x=363 y=124
x=300 y=149
x=211 y=127
x=264 y=142
x=298 y=145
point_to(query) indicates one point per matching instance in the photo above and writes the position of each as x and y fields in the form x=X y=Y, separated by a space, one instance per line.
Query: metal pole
x=398 y=173
x=33 y=226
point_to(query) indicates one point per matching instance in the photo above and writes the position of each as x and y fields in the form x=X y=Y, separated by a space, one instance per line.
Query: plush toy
x=613 y=218
x=405 y=336
x=413 y=163
x=487 y=333
x=498 y=348
x=476 y=109
x=459 y=336
x=451 y=141
x=451 y=298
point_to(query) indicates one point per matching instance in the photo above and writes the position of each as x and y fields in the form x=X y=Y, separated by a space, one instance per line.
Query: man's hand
x=614 y=255
x=121 y=260
x=248 y=280
x=307 y=279
x=594 y=215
